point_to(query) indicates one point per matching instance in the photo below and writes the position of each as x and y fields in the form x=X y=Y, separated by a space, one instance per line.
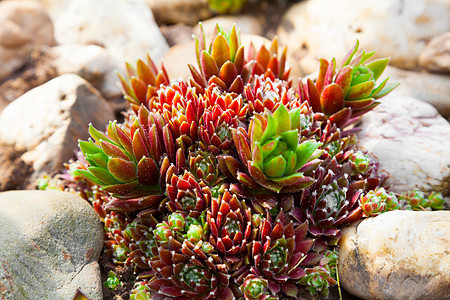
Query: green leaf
x=270 y=130
x=86 y=174
x=360 y=91
x=97 y=160
x=257 y=155
x=103 y=175
x=97 y=135
x=304 y=152
x=291 y=162
x=348 y=57
x=89 y=147
x=283 y=119
x=378 y=66
x=291 y=139
x=294 y=115
x=268 y=147
x=386 y=90
x=275 y=167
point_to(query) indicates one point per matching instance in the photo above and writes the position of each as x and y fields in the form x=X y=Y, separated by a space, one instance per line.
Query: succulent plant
x=255 y=288
x=378 y=201
x=416 y=200
x=351 y=92
x=279 y=252
x=112 y=281
x=221 y=63
x=272 y=153
x=233 y=185
x=142 y=83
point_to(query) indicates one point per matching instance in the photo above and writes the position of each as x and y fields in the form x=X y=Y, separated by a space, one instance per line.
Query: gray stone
x=92 y=62
x=47 y=121
x=24 y=26
x=396 y=28
x=180 y=11
x=436 y=55
x=126 y=29
x=397 y=255
x=411 y=141
x=51 y=242
x=431 y=88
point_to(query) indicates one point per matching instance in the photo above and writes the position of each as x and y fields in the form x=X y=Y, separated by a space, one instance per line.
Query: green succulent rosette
x=273 y=153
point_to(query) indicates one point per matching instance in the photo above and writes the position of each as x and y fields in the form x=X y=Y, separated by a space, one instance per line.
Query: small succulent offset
x=233 y=184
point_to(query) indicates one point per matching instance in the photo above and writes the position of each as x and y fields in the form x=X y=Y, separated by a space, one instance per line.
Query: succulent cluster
x=233 y=184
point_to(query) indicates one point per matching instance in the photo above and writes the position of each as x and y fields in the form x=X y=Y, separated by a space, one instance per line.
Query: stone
x=431 y=88
x=25 y=26
x=397 y=255
x=47 y=121
x=412 y=143
x=247 y=24
x=188 y=12
x=51 y=242
x=125 y=28
x=393 y=28
x=91 y=62
x=436 y=55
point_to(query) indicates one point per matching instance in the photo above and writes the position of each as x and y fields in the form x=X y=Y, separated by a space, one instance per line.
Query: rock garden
x=214 y=149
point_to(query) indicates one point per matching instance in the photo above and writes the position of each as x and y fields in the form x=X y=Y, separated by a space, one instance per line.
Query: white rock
x=92 y=62
x=431 y=88
x=24 y=26
x=397 y=255
x=51 y=242
x=126 y=28
x=436 y=55
x=395 y=28
x=47 y=121
x=411 y=141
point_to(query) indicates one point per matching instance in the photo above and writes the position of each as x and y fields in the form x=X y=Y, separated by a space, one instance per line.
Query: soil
x=14 y=169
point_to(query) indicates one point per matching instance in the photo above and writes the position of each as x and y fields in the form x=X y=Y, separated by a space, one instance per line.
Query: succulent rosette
x=187 y=266
x=331 y=202
x=378 y=201
x=351 y=92
x=230 y=225
x=130 y=164
x=255 y=288
x=417 y=200
x=221 y=63
x=265 y=93
x=203 y=166
x=142 y=83
x=187 y=195
x=279 y=252
x=272 y=153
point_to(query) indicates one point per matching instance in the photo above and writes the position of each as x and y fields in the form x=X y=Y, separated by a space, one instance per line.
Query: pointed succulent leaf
x=359 y=104
x=322 y=70
x=389 y=87
x=360 y=91
x=228 y=73
x=344 y=78
x=208 y=64
x=258 y=155
x=332 y=99
x=274 y=167
x=112 y=150
x=348 y=57
x=144 y=72
x=283 y=120
x=268 y=147
x=97 y=135
x=270 y=130
x=97 y=160
x=290 y=138
x=314 y=96
x=378 y=66
x=304 y=152
x=220 y=51
x=122 y=170
x=89 y=147
x=147 y=172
